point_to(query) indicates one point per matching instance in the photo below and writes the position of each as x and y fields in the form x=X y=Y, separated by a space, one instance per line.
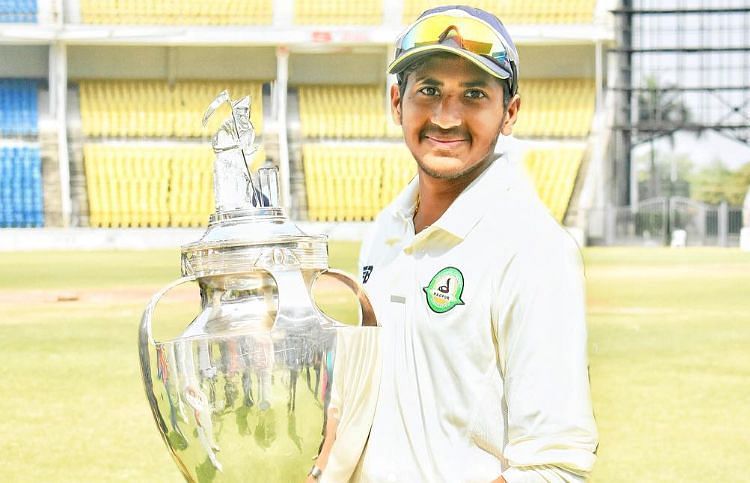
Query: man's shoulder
x=523 y=227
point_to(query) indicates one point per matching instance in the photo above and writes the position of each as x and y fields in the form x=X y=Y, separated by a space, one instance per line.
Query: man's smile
x=445 y=142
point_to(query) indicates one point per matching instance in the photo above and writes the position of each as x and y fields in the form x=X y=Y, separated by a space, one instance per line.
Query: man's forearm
x=328 y=441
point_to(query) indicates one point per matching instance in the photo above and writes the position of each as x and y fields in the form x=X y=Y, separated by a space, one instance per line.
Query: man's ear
x=511 y=115
x=396 y=104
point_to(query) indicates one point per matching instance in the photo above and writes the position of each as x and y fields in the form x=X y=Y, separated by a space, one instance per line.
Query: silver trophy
x=251 y=387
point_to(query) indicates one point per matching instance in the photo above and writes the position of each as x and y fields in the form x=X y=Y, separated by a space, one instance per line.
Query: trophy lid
x=248 y=218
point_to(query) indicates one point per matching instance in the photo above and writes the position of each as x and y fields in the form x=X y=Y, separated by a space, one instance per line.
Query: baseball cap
x=469 y=32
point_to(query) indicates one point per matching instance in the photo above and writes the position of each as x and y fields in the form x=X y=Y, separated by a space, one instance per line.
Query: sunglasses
x=470 y=34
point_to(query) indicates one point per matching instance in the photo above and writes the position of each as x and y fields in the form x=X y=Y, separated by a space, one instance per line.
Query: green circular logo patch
x=445 y=289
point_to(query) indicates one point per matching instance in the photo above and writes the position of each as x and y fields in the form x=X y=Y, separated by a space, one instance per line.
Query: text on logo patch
x=444 y=290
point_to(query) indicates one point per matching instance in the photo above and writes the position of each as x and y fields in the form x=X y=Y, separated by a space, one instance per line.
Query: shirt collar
x=466 y=210
x=470 y=206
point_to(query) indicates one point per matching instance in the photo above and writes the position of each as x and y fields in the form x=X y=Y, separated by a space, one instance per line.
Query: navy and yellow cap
x=469 y=32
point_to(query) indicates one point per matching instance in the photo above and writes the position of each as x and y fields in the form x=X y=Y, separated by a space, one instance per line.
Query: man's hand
x=322 y=459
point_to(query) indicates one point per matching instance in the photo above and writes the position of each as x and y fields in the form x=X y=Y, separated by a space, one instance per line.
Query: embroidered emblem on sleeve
x=444 y=290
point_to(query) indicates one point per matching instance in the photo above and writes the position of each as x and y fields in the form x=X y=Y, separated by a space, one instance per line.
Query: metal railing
x=654 y=222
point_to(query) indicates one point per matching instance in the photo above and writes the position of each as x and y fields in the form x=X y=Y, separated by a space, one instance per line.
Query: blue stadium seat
x=19 y=110
x=21 y=195
x=18 y=11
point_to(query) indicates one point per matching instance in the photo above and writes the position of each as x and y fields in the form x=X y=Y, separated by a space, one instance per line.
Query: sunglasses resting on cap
x=471 y=33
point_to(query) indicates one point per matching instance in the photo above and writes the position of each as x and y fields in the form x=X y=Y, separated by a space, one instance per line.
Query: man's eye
x=428 y=91
x=475 y=94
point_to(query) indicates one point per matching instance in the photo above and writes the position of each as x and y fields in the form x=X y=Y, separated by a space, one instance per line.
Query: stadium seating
x=345 y=112
x=150 y=185
x=338 y=12
x=21 y=198
x=353 y=182
x=18 y=11
x=18 y=107
x=123 y=108
x=518 y=11
x=183 y=12
x=556 y=108
x=553 y=172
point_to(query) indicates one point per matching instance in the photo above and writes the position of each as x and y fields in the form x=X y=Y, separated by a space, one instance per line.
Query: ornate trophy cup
x=246 y=391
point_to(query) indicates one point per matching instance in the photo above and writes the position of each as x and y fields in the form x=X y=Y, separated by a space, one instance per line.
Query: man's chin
x=442 y=167
x=447 y=167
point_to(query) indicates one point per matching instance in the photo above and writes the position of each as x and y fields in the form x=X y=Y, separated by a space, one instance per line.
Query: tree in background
x=661 y=113
x=671 y=169
x=716 y=183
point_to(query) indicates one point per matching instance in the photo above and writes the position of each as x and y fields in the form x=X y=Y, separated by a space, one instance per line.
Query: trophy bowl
x=249 y=389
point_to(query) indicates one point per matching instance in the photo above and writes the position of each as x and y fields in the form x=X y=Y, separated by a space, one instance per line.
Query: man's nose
x=447 y=113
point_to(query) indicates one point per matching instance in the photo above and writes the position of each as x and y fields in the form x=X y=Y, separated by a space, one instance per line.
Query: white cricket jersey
x=484 y=340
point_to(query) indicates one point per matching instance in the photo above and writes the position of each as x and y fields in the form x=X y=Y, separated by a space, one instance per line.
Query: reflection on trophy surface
x=244 y=393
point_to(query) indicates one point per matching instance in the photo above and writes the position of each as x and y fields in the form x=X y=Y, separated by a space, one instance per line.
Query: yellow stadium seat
x=185 y=12
x=555 y=108
x=154 y=109
x=150 y=185
x=353 y=182
x=350 y=112
x=553 y=172
x=338 y=12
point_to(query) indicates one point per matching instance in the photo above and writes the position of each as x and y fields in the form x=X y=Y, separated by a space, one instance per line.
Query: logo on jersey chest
x=444 y=290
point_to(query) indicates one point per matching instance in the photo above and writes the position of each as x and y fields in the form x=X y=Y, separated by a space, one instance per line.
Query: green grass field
x=669 y=344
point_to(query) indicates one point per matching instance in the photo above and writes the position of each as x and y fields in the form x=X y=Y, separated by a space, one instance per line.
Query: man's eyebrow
x=475 y=83
x=435 y=82
x=429 y=80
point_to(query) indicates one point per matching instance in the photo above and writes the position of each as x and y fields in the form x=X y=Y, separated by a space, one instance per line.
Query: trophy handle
x=368 y=313
x=146 y=338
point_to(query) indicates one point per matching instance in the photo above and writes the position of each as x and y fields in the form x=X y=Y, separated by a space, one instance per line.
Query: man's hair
x=403 y=76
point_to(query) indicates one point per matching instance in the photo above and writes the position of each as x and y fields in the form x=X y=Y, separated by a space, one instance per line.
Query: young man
x=480 y=293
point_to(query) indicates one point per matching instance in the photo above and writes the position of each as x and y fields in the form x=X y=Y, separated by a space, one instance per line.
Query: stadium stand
x=18 y=107
x=150 y=185
x=515 y=12
x=338 y=12
x=184 y=12
x=556 y=108
x=343 y=112
x=21 y=199
x=353 y=182
x=18 y=11
x=553 y=172
x=140 y=137
x=119 y=108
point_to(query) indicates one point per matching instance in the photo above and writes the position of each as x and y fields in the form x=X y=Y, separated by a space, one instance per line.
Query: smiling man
x=479 y=291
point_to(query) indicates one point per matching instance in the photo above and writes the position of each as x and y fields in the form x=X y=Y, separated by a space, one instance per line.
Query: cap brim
x=406 y=59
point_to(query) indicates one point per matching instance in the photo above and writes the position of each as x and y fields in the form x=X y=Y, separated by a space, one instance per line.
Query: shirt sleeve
x=541 y=335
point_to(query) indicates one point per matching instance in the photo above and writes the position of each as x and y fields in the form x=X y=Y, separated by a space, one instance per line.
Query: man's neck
x=436 y=195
